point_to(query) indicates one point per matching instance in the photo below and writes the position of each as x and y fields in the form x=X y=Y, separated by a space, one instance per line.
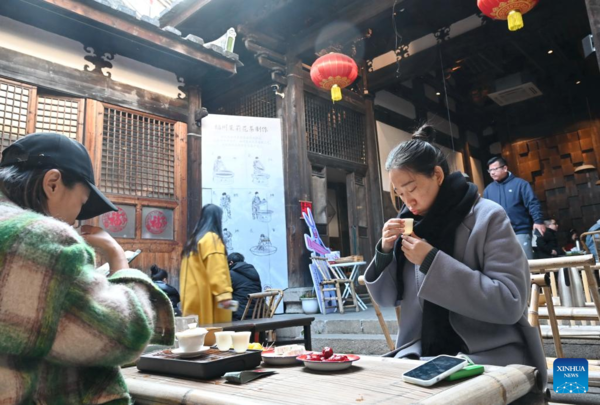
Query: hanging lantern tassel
x=511 y=10
x=515 y=20
x=336 y=93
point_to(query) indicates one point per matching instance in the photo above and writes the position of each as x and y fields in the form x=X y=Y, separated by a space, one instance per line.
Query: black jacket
x=172 y=293
x=546 y=244
x=244 y=280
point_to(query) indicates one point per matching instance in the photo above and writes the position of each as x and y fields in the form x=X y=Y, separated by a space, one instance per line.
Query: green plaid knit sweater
x=64 y=327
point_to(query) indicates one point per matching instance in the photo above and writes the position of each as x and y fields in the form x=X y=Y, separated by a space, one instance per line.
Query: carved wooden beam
x=356 y=13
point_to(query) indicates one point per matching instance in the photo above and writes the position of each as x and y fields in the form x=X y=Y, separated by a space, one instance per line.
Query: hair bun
x=426 y=133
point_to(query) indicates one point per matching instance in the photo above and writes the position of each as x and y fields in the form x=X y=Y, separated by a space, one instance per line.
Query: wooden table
x=371 y=380
x=266 y=324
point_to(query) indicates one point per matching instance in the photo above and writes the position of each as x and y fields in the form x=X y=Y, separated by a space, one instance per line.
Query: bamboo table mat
x=371 y=380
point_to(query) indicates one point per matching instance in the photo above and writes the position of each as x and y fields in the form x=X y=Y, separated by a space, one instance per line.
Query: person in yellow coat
x=205 y=280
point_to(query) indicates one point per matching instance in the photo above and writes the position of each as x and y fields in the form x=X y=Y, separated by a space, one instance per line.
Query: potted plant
x=309 y=302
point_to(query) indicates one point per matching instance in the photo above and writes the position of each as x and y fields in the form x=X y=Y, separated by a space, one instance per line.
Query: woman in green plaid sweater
x=65 y=328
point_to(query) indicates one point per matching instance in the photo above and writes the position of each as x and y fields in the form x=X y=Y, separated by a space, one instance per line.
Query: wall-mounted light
x=550 y=52
x=438 y=94
x=584 y=168
x=578 y=82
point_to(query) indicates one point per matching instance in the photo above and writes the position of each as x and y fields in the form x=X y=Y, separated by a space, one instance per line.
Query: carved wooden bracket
x=99 y=57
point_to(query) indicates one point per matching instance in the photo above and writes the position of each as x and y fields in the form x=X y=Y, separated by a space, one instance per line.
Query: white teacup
x=408 y=225
x=241 y=340
x=224 y=340
x=191 y=340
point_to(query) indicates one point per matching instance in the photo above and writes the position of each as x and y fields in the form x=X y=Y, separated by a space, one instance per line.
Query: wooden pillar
x=194 y=159
x=373 y=178
x=297 y=172
x=593 y=9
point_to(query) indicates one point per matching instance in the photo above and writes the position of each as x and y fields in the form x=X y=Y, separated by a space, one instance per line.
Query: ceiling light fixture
x=550 y=52
x=578 y=82
x=584 y=168
x=438 y=94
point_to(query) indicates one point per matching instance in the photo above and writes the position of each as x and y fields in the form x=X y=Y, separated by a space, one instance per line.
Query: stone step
x=323 y=325
x=351 y=343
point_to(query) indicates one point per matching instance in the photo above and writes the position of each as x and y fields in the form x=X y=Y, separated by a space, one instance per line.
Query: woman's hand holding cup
x=392 y=230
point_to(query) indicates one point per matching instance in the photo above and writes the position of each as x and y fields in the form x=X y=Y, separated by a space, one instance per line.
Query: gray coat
x=485 y=287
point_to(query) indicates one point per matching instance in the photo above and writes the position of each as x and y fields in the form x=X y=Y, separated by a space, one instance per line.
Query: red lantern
x=511 y=10
x=334 y=71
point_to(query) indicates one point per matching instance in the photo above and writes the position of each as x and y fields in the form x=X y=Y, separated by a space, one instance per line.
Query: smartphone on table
x=434 y=370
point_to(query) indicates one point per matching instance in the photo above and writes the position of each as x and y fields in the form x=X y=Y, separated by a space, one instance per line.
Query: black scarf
x=438 y=228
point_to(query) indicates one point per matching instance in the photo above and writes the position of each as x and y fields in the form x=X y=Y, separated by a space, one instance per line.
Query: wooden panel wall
x=549 y=165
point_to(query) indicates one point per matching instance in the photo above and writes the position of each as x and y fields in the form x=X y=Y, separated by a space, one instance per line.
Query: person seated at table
x=547 y=244
x=245 y=280
x=572 y=241
x=159 y=276
x=589 y=242
x=205 y=283
x=65 y=328
x=461 y=278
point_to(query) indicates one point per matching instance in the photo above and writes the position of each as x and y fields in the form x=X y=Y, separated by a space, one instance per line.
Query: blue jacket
x=590 y=243
x=516 y=196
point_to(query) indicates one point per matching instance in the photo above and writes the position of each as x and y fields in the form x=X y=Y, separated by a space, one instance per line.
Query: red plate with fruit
x=326 y=360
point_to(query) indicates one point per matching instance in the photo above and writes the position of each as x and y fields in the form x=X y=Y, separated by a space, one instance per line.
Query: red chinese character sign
x=120 y=224
x=114 y=221
x=157 y=223
x=334 y=71
x=305 y=206
x=511 y=10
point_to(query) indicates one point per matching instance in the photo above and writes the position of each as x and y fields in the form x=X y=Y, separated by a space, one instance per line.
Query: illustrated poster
x=242 y=172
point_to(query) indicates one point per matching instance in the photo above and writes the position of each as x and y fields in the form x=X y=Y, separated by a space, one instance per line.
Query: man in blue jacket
x=516 y=196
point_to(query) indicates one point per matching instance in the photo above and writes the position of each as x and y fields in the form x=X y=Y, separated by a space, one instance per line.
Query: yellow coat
x=205 y=280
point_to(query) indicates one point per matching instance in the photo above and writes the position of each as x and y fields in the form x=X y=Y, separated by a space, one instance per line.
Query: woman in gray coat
x=461 y=277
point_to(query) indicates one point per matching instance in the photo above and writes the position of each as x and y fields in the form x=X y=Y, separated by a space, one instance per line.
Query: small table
x=266 y=324
x=339 y=269
x=371 y=380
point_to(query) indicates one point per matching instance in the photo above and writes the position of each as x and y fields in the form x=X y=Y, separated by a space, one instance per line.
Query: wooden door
x=140 y=161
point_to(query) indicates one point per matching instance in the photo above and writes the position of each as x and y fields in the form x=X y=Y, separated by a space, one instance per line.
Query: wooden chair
x=265 y=303
x=382 y=323
x=595 y=237
x=331 y=282
x=542 y=277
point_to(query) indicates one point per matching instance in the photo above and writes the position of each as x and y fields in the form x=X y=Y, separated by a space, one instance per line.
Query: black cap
x=48 y=149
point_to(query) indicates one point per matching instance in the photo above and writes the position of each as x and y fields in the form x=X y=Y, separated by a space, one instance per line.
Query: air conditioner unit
x=514 y=89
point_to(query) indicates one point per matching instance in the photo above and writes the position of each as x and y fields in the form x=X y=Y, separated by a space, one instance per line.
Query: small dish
x=272 y=359
x=188 y=355
x=328 y=365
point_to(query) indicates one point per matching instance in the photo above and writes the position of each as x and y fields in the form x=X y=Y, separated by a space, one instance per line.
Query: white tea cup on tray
x=224 y=340
x=191 y=340
x=241 y=340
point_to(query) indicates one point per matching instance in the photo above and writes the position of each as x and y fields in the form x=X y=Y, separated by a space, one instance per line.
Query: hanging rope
x=446 y=96
x=396 y=37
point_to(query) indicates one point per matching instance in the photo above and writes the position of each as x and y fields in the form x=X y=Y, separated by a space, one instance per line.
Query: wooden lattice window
x=334 y=130
x=16 y=100
x=60 y=114
x=138 y=155
x=260 y=103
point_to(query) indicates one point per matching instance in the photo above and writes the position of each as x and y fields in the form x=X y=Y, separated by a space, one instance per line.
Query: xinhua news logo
x=570 y=376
